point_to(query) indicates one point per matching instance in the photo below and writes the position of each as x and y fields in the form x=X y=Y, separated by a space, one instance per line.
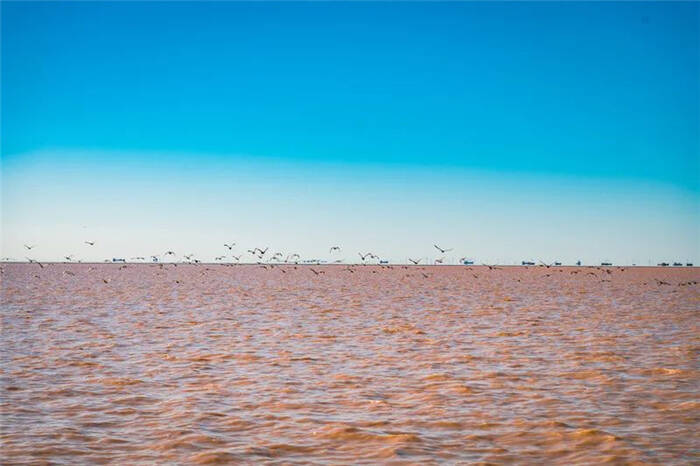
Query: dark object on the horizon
x=578 y=263
x=663 y=264
x=677 y=264
x=557 y=263
x=608 y=264
x=383 y=262
x=414 y=261
x=365 y=256
x=468 y=262
x=688 y=264
x=527 y=263
x=115 y=259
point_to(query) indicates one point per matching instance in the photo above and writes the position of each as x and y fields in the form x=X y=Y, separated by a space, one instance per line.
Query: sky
x=506 y=131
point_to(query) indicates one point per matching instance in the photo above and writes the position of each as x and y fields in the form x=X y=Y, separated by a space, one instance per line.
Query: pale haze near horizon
x=131 y=209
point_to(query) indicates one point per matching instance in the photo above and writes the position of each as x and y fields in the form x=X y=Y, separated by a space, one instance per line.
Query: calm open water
x=215 y=364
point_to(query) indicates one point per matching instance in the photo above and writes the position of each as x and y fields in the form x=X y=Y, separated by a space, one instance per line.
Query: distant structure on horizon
x=527 y=263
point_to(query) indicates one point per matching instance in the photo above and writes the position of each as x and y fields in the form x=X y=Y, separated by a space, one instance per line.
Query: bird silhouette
x=229 y=246
x=34 y=261
x=91 y=243
x=415 y=261
x=442 y=250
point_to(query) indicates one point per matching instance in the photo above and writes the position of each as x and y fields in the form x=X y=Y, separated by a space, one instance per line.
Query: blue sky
x=505 y=130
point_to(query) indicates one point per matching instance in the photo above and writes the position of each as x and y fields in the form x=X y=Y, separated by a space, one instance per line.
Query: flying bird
x=91 y=243
x=441 y=249
x=415 y=261
x=334 y=248
x=491 y=267
x=229 y=246
x=262 y=251
x=69 y=258
x=365 y=256
x=30 y=247
x=33 y=261
x=169 y=253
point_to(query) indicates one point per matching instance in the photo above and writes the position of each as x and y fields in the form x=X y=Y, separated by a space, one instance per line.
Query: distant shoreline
x=352 y=264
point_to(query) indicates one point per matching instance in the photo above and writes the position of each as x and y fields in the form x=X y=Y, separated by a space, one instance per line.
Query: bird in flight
x=33 y=261
x=365 y=256
x=219 y=258
x=169 y=253
x=30 y=247
x=334 y=248
x=91 y=243
x=441 y=249
x=230 y=246
x=414 y=261
x=189 y=257
x=292 y=256
x=439 y=261
x=69 y=258
x=238 y=258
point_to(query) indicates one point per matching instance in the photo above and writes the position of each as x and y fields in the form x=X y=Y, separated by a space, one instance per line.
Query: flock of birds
x=266 y=261
x=259 y=255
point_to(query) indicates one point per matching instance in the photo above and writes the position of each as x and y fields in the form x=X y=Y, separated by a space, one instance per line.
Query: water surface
x=213 y=364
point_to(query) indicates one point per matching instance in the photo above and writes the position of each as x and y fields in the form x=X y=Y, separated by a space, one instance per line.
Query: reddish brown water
x=200 y=364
